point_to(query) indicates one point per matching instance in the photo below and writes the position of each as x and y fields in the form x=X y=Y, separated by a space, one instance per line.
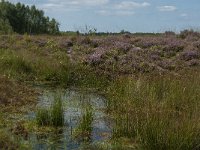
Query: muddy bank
x=16 y=94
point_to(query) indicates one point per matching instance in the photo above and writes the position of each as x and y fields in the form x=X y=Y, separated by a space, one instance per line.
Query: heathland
x=151 y=83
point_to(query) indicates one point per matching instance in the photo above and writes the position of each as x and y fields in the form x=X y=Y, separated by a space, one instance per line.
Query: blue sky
x=115 y=15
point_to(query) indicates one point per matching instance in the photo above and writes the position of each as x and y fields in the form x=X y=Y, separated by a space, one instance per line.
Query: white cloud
x=71 y=5
x=127 y=5
x=167 y=8
x=80 y=2
x=115 y=13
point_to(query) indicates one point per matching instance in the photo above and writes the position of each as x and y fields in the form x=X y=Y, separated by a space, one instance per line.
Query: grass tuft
x=53 y=116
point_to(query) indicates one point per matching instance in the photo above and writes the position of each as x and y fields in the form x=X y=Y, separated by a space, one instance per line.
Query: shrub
x=189 y=55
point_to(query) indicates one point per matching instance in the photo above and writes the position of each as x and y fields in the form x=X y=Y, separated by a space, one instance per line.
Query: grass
x=86 y=121
x=152 y=111
x=157 y=112
x=6 y=141
x=85 y=125
x=53 y=116
x=36 y=66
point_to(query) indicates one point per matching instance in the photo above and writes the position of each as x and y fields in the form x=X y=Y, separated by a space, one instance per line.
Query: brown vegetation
x=14 y=93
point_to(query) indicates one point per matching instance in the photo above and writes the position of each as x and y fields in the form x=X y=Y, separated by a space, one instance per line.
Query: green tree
x=5 y=27
x=25 y=19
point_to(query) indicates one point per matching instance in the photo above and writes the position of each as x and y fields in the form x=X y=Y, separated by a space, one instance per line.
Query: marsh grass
x=43 y=117
x=84 y=129
x=37 y=65
x=57 y=113
x=54 y=116
x=13 y=64
x=158 y=112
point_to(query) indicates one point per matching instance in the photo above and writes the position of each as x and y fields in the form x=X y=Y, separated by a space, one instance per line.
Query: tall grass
x=38 y=65
x=54 y=116
x=158 y=112
x=12 y=64
x=85 y=126
x=57 y=113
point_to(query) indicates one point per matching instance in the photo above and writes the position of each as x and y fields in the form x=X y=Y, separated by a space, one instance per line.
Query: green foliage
x=53 y=116
x=5 y=27
x=13 y=64
x=43 y=117
x=86 y=121
x=24 y=19
x=22 y=65
x=85 y=126
x=57 y=113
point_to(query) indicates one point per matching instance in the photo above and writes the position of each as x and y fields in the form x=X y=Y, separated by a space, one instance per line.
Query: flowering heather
x=122 y=46
x=173 y=44
x=135 y=53
x=189 y=55
x=196 y=44
x=148 y=42
x=96 y=57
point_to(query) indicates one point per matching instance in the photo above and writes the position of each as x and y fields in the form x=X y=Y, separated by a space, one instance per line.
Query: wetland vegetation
x=100 y=91
x=146 y=106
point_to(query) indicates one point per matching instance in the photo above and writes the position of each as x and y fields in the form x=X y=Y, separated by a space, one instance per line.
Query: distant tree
x=53 y=27
x=25 y=19
x=5 y=27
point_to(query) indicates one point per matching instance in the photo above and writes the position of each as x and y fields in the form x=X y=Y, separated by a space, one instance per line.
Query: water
x=74 y=103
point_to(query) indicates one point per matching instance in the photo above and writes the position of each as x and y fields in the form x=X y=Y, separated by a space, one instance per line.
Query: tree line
x=22 y=19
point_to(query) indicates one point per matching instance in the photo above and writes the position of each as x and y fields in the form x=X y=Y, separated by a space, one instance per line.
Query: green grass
x=157 y=112
x=153 y=111
x=54 y=116
x=57 y=113
x=85 y=125
x=86 y=121
x=38 y=65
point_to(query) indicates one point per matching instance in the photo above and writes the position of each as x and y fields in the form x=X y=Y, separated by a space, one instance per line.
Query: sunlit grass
x=157 y=112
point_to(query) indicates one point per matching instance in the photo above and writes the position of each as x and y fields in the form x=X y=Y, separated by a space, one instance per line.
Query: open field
x=150 y=83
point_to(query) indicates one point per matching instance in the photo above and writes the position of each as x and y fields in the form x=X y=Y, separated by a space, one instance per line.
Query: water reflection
x=75 y=105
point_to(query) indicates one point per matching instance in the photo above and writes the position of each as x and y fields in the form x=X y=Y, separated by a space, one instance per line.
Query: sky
x=117 y=15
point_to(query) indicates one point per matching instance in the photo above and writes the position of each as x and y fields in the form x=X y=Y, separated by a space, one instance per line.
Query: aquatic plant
x=57 y=113
x=53 y=116
x=85 y=126
x=43 y=117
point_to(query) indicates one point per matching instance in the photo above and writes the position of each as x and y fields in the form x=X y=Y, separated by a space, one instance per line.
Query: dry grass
x=15 y=93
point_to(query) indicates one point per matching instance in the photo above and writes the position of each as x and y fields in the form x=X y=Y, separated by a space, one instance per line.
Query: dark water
x=74 y=104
